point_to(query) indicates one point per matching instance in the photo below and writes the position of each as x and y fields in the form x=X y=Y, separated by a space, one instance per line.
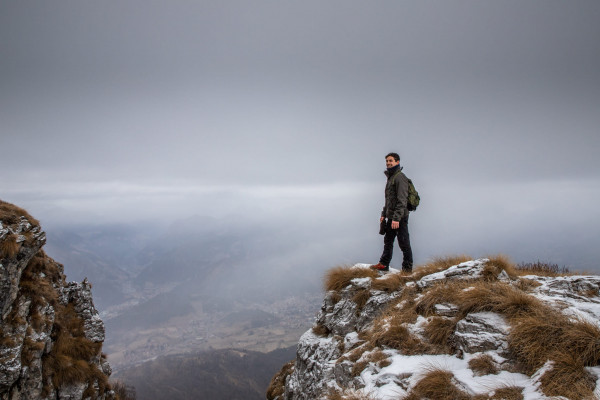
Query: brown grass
x=496 y=264
x=277 y=386
x=438 y=332
x=357 y=353
x=568 y=378
x=526 y=285
x=542 y=269
x=571 y=344
x=400 y=338
x=509 y=392
x=437 y=384
x=391 y=282
x=497 y=297
x=124 y=391
x=439 y=294
x=72 y=358
x=438 y=264
x=321 y=330
x=347 y=395
x=339 y=277
x=483 y=364
x=30 y=351
x=591 y=292
x=9 y=246
x=538 y=332
x=360 y=298
x=10 y=214
x=6 y=340
x=377 y=357
x=550 y=335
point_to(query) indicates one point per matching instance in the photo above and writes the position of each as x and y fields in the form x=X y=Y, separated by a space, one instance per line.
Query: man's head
x=392 y=159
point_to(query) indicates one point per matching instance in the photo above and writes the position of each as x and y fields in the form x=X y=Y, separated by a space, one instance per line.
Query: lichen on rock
x=51 y=334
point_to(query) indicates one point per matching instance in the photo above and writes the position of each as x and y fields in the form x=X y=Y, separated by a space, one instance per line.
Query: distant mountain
x=211 y=375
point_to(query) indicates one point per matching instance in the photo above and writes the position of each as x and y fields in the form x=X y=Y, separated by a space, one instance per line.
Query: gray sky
x=133 y=109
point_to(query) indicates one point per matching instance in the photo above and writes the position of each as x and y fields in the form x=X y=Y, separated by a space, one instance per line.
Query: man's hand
x=395 y=224
x=381 y=219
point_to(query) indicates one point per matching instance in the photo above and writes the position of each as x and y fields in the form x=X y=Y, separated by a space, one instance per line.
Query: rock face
x=485 y=327
x=51 y=335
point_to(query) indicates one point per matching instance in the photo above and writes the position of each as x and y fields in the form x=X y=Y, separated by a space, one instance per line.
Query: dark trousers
x=403 y=241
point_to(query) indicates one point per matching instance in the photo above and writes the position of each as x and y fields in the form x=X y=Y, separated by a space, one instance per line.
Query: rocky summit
x=51 y=334
x=456 y=328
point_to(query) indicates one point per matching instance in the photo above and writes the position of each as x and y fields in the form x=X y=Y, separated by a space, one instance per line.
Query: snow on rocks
x=482 y=331
x=342 y=357
x=467 y=270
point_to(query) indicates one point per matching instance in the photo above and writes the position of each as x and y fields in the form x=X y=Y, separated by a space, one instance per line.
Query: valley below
x=256 y=326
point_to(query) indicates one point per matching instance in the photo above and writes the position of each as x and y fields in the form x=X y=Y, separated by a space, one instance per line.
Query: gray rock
x=482 y=331
x=25 y=335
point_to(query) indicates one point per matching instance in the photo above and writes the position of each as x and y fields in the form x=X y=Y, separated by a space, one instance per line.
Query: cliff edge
x=51 y=334
x=455 y=329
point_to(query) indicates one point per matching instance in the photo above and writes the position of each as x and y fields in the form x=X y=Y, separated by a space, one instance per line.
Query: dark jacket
x=396 y=196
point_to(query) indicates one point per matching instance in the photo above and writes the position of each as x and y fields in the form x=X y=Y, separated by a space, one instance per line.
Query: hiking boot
x=380 y=267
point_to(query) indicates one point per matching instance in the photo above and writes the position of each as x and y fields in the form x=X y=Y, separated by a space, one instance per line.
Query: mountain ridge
x=456 y=328
x=51 y=334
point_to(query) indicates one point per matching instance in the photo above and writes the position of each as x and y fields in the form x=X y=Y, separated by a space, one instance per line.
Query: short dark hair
x=395 y=155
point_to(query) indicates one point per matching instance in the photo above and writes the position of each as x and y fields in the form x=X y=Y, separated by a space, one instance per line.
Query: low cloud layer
x=269 y=110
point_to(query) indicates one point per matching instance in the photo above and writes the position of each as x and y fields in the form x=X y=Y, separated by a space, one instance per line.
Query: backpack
x=412 y=202
x=413 y=197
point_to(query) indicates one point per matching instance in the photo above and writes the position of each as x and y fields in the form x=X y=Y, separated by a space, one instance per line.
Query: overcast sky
x=123 y=110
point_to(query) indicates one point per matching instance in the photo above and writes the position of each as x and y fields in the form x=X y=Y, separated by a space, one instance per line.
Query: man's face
x=390 y=162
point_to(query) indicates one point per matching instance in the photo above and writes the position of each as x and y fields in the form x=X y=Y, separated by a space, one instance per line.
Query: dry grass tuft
x=497 y=297
x=483 y=364
x=6 y=340
x=377 y=357
x=510 y=392
x=438 y=331
x=124 y=391
x=568 y=378
x=347 y=395
x=571 y=344
x=360 y=298
x=357 y=353
x=442 y=293
x=438 y=264
x=277 y=386
x=391 y=282
x=591 y=292
x=496 y=264
x=9 y=246
x=336 y=297
x=31 y=350
x=398 y=337
x=550 y=335
x=437 y=384
x=526 y=285
x=542 y=269
x=339 y=277
x=73 y=356
x=10 y=214
x=321 y=330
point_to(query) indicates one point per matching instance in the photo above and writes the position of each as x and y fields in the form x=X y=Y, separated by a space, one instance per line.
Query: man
x=395 y=215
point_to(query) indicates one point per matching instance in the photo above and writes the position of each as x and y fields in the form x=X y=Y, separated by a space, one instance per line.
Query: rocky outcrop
x=51 y=334
x=481 y=328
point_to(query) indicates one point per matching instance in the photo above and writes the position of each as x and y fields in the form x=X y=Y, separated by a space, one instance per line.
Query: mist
x=280 y=115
